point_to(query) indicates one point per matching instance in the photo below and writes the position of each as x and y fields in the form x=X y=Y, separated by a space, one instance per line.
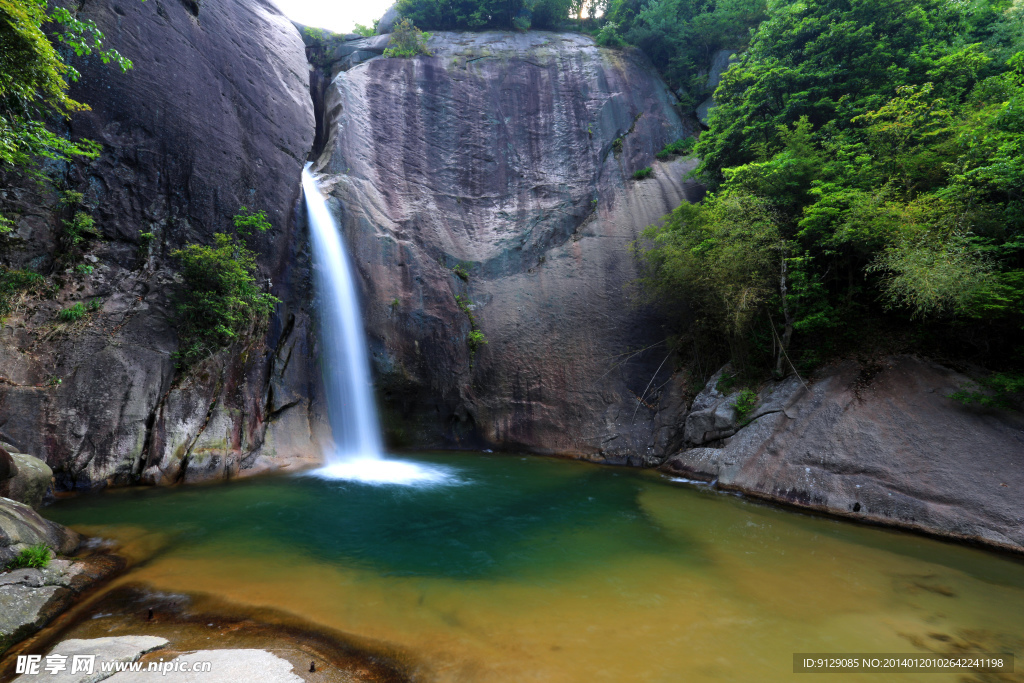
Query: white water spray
x=358 y=454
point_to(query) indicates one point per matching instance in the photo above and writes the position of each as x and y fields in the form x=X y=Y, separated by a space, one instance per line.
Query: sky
x=339 y=16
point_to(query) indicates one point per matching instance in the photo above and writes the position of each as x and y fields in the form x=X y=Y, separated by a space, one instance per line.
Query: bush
x=72 y=314
x=364 y=31
x=220 y=301
x=247 y=220
x=645 y=172
x=479 y=15
x=34 y=557
x=407 y=41
x=680 y=147
x=745 y=403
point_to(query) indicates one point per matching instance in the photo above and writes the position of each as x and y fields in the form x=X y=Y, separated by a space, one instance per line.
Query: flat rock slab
x=225 y=666
x=107 y=651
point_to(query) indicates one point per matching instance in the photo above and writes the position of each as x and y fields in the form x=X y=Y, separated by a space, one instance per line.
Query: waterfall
x=350 y=406
x=357 y=453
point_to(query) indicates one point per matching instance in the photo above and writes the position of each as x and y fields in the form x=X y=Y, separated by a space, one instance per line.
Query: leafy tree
x=885 y=141
x=34 y=80
x=220 y=302
x=477 y=15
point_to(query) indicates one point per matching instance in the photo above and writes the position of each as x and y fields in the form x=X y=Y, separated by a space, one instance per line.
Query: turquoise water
x=522 y=568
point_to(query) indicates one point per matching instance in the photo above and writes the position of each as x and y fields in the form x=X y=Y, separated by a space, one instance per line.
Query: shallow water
x=516 y=568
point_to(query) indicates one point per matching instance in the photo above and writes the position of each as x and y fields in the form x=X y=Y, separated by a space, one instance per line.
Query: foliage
x=680 y=147
x=407 y=41
x=33 y=557
x=478 y=15
x=83 y=269
x=745 y=402
x=475 y=339
x=364 y=31
x=14 y=282
x=461 y=272
x=34 y=80
x=642 y=173
x=72 y=314
x=247 y=220
x=220 y=301
x=883 y=141
x=681 y=36
x=998 y=390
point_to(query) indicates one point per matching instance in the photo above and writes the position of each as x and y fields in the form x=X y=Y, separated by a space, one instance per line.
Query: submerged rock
x=880 y=443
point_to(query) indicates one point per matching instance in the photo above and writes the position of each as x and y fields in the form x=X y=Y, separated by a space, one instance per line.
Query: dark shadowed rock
x=8 y=469
x=887 y=447
x=21 y=527
x=31 y=482
x=215 y=115
x=509 y=155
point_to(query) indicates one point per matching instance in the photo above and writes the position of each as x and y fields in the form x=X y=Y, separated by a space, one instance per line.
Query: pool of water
x=511 y=568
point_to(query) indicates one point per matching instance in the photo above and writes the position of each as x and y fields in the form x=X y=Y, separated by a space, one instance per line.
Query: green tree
x=34 y=80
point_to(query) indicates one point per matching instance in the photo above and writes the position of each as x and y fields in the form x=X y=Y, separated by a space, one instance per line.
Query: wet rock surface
x=134 y=624
x=881 y=443
x=488 y=189
x=215 y=115
x=32 y=598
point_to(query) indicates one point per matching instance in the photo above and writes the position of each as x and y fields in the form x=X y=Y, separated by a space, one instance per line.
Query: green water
x=525 y=568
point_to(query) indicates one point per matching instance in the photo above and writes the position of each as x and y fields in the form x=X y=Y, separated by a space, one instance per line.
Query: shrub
x=461 y=272
x=680 y=147
x=407 y=41
x=83 y=269
x=364 y=31
x=220 y=301
x=247 y=220
x=745 y=403
x=36 y=557
x=641 y=174
x=476 y=339
x=998 y=390
x=72 y=314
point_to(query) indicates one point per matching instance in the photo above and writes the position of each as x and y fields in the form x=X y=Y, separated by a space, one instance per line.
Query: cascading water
x=357 y=453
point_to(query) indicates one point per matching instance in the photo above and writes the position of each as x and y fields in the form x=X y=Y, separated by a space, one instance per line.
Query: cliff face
x=488 y=187
x=215 y=115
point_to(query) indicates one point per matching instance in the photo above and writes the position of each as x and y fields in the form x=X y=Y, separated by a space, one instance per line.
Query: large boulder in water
x=215 y=115
x=488 y=189
x=880 y=442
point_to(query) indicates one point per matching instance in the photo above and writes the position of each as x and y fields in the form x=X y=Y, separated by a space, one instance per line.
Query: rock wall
x=877 y=442
x=216 y=114
x=489 y=188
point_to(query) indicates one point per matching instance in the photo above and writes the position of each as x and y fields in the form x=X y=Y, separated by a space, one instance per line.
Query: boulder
x=388 y=21
x=30 y=484
x=8 y=468
x=880 y=443
x=21 y=527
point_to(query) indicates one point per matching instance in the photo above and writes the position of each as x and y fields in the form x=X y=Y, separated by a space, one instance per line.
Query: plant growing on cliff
x=475 y=339
x=72 y=314
x=407 y=41
x=33 y=557
x=364 y=31
x=35 y=79
x=683 y=146
x=745 y=403
x=17 y=282
x=248 y=220
x=220 y=301
x=643 y=173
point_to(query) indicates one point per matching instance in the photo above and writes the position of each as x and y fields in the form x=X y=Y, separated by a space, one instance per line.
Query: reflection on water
x=539 y=570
